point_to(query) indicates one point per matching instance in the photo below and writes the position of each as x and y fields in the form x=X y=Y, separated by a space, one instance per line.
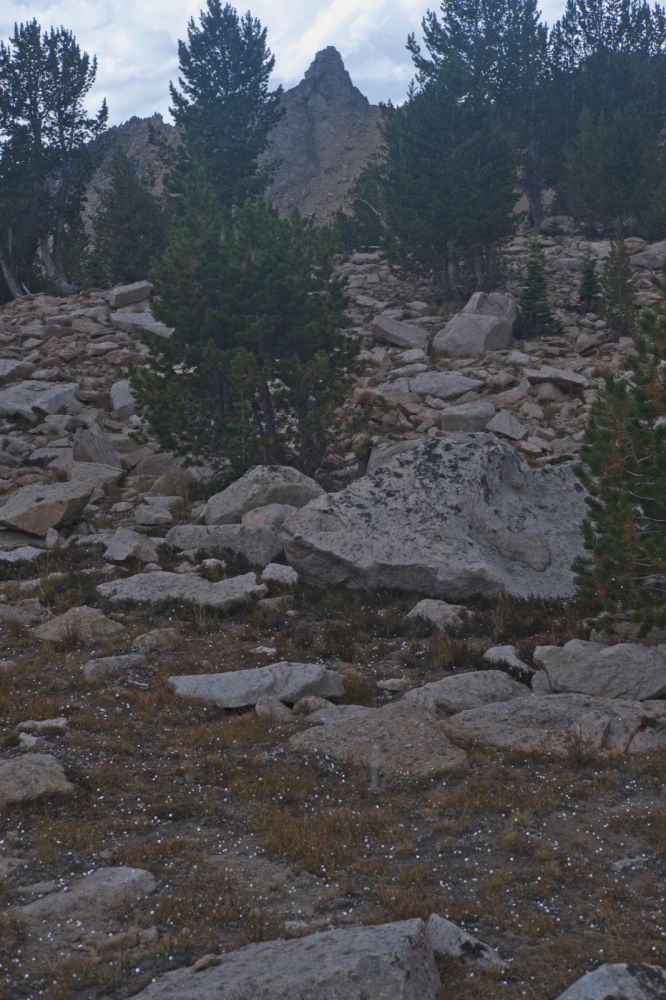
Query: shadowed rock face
x=328 y=134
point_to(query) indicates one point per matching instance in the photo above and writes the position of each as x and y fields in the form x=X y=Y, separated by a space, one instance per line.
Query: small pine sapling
x=536 y=315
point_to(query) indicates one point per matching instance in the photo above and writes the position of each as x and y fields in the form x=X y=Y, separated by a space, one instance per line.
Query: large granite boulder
x=560 y=724
x=628 y=670
x=485 y=324
x=385 y=962
x=36 y=509
x=450 y=518
x=262 y=485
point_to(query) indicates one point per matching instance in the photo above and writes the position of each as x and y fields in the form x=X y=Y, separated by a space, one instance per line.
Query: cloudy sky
x=136 y=41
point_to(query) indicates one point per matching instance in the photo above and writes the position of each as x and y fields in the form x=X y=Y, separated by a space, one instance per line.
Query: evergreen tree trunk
x=11 y=281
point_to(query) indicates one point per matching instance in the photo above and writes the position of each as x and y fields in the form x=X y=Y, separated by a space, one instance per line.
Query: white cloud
x=136 y=43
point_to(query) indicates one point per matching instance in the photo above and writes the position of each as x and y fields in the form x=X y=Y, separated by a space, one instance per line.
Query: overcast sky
x=136 y=41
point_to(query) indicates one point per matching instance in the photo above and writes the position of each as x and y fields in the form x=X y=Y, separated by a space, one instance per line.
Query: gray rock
x=385 y=962
x=150 y=515
x=156 y=640
x=508 y=655
x=11 y=369
x=88 y=625
x=141 y=322
x=258 y=545
x=23 y=554
x=239 y=688
x=652 y=257
x=93 y=894
x=558 y=376
x=387 y=330
x=467 y=417
x=126 y=544
x=32 y=399
x=393 y=740
x=270 y=707
x=94 y=447
x=385 y=451
x=123 y=402
x=440 y=385
x=109 y=666
x=273 y=515
x=437 y=616
x=277 y=573
x=182 y=588
x=262 y=485
x=337 y=713
x=628 y=670
x=32 y=776
x=508 y=426
x=464 y=691
x=563 y=723
x=97 y=477
x=129 y=295
x=485 y=324
x=450 y=519
x=36 y=509
x=624 y=981
x=452 y=941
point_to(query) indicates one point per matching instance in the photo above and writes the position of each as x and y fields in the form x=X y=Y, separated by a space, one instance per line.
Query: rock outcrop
x=449 y=519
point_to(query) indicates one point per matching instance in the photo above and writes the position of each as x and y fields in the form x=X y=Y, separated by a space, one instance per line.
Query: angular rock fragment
x=36 y=509
x=83 y=624
x=32 y=776
x=437 y=616
x=388 y=330
x=262 y=485
x=448 y=939
x=485 y=324
x=32 y=399
x=239 y=688
x=259 y=545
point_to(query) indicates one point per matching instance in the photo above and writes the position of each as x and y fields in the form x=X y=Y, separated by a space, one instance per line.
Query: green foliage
x=617 y=301
x=44 y=126
x=536 y=315
x=258 y=363
x=224 y=107
x=588 y=290
x=128 y=229
x=624 y=470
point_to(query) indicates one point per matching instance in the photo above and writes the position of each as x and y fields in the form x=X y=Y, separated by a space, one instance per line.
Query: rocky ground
x=219 y=759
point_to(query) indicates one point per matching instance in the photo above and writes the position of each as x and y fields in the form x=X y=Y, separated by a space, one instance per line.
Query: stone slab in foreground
x=386 y=962
x=35 y=509
x=188 y=588
x=450 y=518
x=560 y=724
x=238 y=688
x=32 y=776
x=394 y=740
x=627 y=670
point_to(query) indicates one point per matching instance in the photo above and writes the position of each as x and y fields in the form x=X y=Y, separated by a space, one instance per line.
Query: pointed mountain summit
x=328 y=134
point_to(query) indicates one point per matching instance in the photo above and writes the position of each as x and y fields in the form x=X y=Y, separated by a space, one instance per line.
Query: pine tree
x=588 y=290
x=224 y=107
x=624 y=470
x=617 y=303
x=536 y=315
x=44 y=129
x=258 y=362
x=128 y=229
